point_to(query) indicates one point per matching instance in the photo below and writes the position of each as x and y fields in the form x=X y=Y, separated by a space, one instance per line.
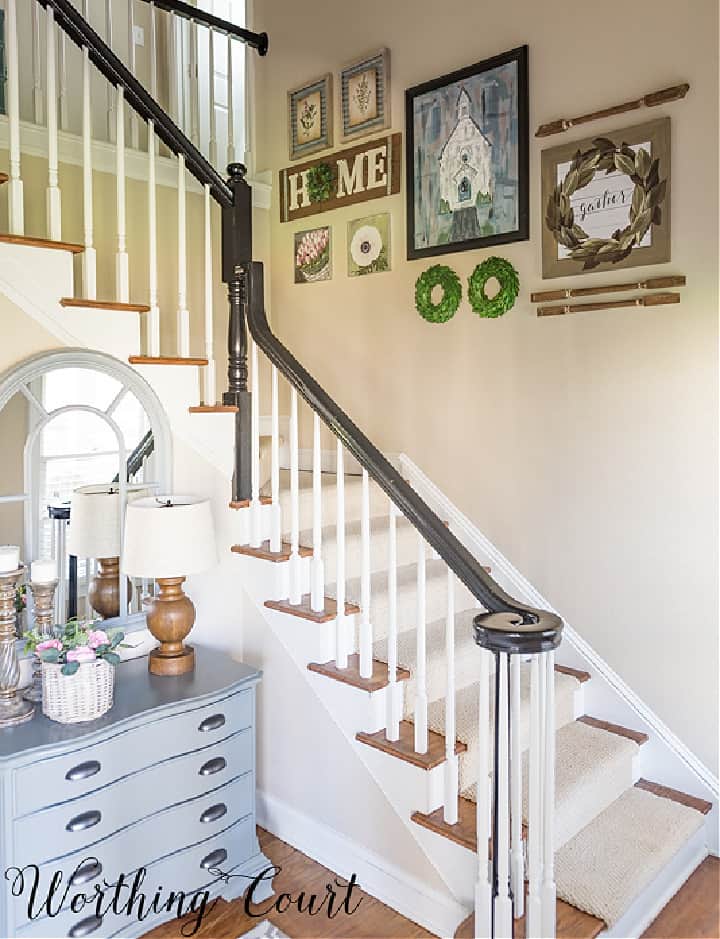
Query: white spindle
x=393 y=716
x=450 y=812
x=341 y=644
x=134 y=125
x=517 y=863
x=193 y=85
x=548 y=894
x=317 y=567
x=230 y=104
x=483 y=888
x=52 y=198
x=15 y=190
x=209 y=317
x=37 y=93
x=275 y=510
x=62 y=80
x=153 y=338
x=255 y=514
x=122 y=264
x=366 y=663
x=111 y=97
x=153 y=59
x=503 y=900
x=212 y=148
x=295 y=568
x=183 y=314
x=421 y=700
x=89 y=261
x=535 y=802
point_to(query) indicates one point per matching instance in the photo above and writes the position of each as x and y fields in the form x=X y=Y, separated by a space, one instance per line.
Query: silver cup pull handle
x=214 y=813
x=83 y=821
x=83 y=770
x=85 y=927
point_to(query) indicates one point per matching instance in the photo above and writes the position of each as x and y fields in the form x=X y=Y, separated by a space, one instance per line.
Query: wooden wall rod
x=653 y=283
x=653 y=299
x=647 y=101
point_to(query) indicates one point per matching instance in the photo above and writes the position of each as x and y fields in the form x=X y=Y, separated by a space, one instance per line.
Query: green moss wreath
x=438 y=276
x=504 y=299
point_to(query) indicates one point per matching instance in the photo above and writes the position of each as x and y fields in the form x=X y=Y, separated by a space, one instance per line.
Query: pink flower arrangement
x=81 y=654
x=97 y=637
x=76 y=644
x=49 y=644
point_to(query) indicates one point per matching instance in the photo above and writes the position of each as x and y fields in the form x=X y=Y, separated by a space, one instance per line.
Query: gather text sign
x=358 y=174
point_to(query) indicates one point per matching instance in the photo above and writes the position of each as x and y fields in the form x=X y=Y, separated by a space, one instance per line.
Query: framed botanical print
x=310 y=117
x=606 y=201
x=466 y=137
x=365 y=95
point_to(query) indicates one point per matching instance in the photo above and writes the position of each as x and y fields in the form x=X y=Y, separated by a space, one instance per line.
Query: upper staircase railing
x=505 y=629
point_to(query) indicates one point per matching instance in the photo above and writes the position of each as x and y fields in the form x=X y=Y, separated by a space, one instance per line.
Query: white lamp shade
x=94 y=530
x=168 y=540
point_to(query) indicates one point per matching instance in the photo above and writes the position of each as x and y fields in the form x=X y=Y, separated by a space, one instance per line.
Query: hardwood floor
x=694 y=913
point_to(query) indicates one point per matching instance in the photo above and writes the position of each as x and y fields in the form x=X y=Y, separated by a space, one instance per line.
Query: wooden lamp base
x=104 y=589
x=170 y=617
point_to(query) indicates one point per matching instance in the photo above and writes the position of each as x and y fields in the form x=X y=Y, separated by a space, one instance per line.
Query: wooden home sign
x=358 y=174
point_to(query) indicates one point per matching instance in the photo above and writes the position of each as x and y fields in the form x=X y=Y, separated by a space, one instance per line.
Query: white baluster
x=212 y=148
x=193 y=86
x=503 y=900
x=153 y=338
x=450 y=812
x=153 y=58
x=341 y=644
x=295 y=567
x=52 y=197
x=62 y=80
x=533 y=919
x=37 y=93
x=275 y=510
x=483 y=888
x=183 y=314
x=134 y=126
x=89 y=260
x=393 y=716
x=209 y=317
x=122 y=263
x=15 y=186
x=317 y=567
x=421 y=701
x=255 y=514
x=230 y=104
x=549 y=892
x=517 y=862
x=366 y=663
x=111 y=97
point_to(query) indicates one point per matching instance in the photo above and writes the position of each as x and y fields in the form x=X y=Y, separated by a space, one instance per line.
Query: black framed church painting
x=467 y=157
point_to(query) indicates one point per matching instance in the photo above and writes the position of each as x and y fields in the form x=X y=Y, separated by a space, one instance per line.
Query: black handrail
x=145 y=447
x=258 y=41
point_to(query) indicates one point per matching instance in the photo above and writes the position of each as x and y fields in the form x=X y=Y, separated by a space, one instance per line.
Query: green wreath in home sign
x=439 y=275
x=504 y=299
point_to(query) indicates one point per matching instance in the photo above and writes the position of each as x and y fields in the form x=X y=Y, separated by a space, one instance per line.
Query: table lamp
x=168 y=538
x=94 y=532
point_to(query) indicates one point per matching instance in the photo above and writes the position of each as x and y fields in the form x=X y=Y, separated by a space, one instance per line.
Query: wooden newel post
x=236 y=258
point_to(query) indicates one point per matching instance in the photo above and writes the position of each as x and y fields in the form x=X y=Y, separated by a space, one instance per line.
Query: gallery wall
x=584 y=446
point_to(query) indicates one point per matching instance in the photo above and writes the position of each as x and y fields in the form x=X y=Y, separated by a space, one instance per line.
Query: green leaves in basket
x=50 y=655
x=69 y=668
x=116 y=639
x=112 y=658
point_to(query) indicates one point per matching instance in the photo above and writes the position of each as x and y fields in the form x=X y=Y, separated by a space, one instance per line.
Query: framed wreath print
x=467 y=157
x=365 y=95
x=310 y=117
x=606 y=201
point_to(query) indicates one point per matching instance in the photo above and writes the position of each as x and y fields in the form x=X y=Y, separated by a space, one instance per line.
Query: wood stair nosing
x=304 y=611
x=166 y=360
x=32 y=242
x=104 y=305
x=404 y=747
x=636 y=735
x=245 y=503
x=264 y=553
x=213 y=409
x=3 y=178
x=351 y=674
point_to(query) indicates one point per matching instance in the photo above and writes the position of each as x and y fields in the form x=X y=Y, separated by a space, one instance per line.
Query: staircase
x=547 y=798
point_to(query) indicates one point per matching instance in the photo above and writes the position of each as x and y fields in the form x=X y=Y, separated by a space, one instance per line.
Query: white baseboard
x=435 y=911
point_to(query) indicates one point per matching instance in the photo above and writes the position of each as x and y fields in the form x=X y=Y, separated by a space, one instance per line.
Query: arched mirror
x=81 y=434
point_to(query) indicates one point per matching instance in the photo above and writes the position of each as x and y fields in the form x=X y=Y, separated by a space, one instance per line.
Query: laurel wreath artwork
x=645 y=209
x=504 y=299
x=439 y=275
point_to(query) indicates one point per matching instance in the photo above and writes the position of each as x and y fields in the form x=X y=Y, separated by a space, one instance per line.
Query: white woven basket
x=84 y=696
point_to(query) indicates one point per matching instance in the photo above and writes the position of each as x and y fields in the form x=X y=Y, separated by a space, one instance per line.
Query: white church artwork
x=467 y=158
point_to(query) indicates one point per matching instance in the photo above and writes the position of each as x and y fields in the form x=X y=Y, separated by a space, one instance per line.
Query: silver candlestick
x=13 y=709
x=43 y=595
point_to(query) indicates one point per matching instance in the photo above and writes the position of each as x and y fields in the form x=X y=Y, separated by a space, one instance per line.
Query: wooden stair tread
x=105 y=305
x=264 y=553
x=213 y=409
x=3 y=178
x=304 y=610
x=404 y=747
x=571 y=924
x=575 y=672
x=675 y=795
x=351 y=674
x=245 y=503
x=464 y=832
x=31 y=242
x=636 y=735
x=166 y=360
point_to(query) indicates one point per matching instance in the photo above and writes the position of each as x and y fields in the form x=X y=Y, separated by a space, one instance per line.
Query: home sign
x=358 y=174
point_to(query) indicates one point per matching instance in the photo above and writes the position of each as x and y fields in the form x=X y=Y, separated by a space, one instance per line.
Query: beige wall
x=584 y=446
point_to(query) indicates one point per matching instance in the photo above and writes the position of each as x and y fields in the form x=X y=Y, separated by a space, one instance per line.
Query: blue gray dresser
x=164 y=782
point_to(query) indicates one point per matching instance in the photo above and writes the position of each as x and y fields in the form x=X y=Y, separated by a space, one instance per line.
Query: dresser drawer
x=79 y=825
x=185 y=871
x=119 y=755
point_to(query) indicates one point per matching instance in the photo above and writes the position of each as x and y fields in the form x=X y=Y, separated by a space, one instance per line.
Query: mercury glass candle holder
x=13 y=708
x=43 y=596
